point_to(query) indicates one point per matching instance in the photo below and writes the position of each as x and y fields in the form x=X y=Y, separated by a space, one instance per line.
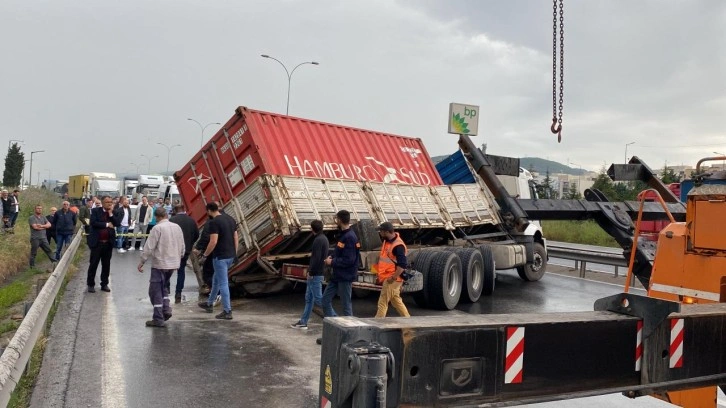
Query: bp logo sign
x=463 y=119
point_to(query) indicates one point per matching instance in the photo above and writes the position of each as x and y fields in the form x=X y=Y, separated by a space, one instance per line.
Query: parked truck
x=78 y=187
x=103 y=184
x=274 y=174
x=148 y=186
x=128 y=186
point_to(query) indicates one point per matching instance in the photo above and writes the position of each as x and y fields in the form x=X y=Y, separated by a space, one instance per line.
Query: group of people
x=10 y=208
x=344 y=262
x=170 y=242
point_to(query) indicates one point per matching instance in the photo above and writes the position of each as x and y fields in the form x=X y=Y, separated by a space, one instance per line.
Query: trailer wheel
x=421 y=262
x=534 y=271
x=490 y=268
x=472 y=270
x=444 y=281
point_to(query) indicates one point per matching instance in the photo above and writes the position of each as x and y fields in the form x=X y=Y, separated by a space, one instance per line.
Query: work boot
x=105 y=288
x=206 y=306
x=224 y=316
x=167 y=316
x=91 y=289
x=177 y=298
x=154 y=323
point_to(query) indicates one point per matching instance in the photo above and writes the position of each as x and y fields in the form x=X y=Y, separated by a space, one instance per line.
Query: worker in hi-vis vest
x=391 y=264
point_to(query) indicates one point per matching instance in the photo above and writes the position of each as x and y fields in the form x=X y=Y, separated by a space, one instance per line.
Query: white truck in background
x=128 y=186
x=171 y=191
x=148 y=185
x=103 y=184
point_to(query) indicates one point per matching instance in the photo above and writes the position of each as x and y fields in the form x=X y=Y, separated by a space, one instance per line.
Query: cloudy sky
x=98 y=84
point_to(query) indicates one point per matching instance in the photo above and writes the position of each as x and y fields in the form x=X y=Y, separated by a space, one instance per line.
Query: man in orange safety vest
x=391 y=264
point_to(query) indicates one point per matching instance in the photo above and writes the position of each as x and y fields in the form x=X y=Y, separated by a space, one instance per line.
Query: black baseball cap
x=386 y=226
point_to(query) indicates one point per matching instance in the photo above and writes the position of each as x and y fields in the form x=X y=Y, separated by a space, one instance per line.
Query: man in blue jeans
x=345 y=262
x=314 y=291
x=124 y=212
x=223 y=242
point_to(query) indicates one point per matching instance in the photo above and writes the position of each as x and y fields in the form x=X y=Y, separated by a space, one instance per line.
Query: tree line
x=622 y=191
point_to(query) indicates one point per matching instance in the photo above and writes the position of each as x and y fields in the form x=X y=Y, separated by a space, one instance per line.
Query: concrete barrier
x=17 y=354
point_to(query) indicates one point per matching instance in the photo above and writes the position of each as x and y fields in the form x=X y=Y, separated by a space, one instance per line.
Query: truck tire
x=472 y=270
x=489 y=270
x=534 y=271
x=358 y=293
x=421 y=261
x=444 y=281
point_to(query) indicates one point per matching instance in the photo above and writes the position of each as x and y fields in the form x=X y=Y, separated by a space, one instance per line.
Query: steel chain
x=557 y=104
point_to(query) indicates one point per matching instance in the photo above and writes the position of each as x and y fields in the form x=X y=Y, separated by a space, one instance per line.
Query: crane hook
x=556 y=128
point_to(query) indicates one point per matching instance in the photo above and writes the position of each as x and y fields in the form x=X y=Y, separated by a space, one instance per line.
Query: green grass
x=578 y=232
x=8 y=326
x=23 y=392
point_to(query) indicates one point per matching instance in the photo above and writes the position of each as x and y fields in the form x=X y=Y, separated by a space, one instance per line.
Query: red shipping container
x=253 y=143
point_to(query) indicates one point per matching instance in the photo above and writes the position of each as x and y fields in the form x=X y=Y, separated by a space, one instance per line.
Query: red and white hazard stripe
x=324 y=403
x=639 y=346
x=514 y=363
x=677 y=332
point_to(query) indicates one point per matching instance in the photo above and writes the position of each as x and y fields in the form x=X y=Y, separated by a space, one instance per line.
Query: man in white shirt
x=165 y=247
x=125 y=212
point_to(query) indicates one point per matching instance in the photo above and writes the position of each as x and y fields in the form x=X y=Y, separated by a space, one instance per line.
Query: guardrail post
x=583 y=266
x=577 y=264
x=616 y=271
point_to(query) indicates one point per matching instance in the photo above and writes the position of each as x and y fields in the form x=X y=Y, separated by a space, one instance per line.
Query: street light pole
x=150 y=159
x=168 y=153
x=30 y=174
x=289 y=76
x=22 y=180
x=203 y=128
x=626 y=151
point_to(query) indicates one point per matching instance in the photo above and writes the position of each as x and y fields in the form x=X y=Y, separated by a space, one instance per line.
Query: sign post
x=463 y=119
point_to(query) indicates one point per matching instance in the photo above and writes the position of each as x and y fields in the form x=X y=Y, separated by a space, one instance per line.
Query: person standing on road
x=50 y=232
x=223 y=243
x=15 y=208
x=205 y=275
x=84 y=215
x=142 y=217
x=314 y=290
x=38 y=224
x=165 y=247
x=123 y=211
x=191 y=234
x=345 y=261
x=391 y=264
x=65 y=222
x=101 y=241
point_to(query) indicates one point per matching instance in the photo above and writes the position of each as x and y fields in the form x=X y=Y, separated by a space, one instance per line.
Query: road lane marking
x=113 y=386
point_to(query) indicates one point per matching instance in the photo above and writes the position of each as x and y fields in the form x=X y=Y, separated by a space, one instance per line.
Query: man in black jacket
x=314 y=291
x=101 y=242
x=345 y=261
x=64 y=222
x=50 y=232
x=191 y=234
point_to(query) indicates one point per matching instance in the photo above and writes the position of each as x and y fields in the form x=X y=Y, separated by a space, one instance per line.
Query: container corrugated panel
x=466 y=205
x=407 y=206
x=454 y=170
x=253 y=143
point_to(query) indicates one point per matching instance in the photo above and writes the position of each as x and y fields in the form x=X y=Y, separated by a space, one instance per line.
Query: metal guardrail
x=17 y=354
x=581 y=256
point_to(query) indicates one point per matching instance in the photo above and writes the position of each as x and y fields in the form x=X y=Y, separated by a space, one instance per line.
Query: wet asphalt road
x=102 y=355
